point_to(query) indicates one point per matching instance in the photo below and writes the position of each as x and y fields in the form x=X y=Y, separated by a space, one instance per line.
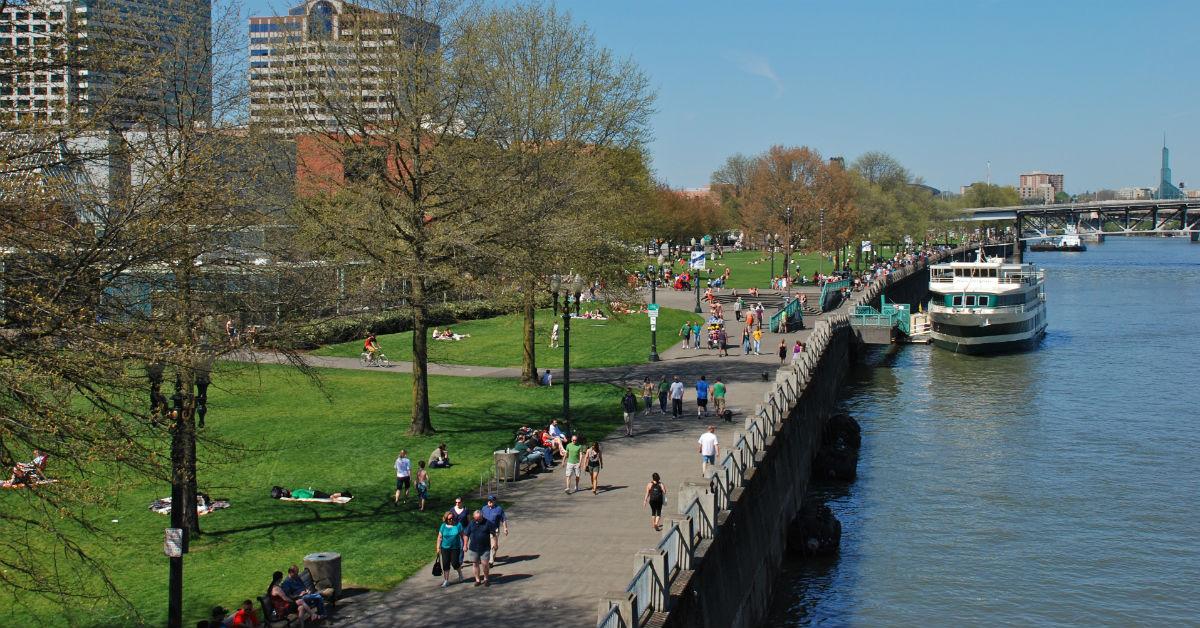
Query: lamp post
x=787 y=253
x=555 y=284
x=773 y=238
x=652 y=275
x=203 y=379
x=175 y=575
x=696 y=278
x=576 y=286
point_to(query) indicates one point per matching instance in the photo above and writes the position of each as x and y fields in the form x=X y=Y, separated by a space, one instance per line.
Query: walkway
x=565 y=551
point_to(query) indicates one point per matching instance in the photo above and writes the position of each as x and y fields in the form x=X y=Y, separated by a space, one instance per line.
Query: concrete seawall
x=736 y=570
x=733 y=570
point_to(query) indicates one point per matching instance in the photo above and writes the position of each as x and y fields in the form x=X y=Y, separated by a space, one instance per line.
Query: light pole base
x=654 y=357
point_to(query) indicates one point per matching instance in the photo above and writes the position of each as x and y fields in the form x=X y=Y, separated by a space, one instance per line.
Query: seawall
x=734 y=569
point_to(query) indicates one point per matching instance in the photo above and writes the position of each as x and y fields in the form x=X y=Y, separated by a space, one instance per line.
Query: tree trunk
x=529 y=372
x=420 y=363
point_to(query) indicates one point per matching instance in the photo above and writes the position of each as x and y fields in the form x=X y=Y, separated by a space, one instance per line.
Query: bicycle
x=376 y=359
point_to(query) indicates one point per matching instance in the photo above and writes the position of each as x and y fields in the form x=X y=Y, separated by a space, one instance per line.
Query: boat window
x=958 y=300
x=969 y=300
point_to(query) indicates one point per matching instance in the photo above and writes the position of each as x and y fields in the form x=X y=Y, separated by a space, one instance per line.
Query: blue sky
x=1085 y=88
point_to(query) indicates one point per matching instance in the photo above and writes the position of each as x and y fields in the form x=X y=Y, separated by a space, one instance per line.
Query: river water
x=1055 y=487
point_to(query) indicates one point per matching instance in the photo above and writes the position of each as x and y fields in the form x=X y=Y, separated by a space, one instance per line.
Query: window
x=259 y=64
x=260 y=52
x=969 y=300
x=320 y=21
x=957 y=300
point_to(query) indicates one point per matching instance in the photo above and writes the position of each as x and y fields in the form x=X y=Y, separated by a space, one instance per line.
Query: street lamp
x=787 y=253
x=652 y=275
x=576 y=286
x=555 y=284
x=175 y=575
x=696 y=279
x=203 y=379
x=774 y=239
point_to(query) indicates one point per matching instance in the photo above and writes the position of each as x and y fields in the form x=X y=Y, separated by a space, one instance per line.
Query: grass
x=497 y=341
x=750 y=269
x=345 y=436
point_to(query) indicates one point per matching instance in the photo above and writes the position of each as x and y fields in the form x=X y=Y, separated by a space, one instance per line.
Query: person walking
x=403 y=475
x=594 y=462
x=664 y=391
x=656 y=496
x=478 y=534
x=422 y=484
x=702 y=397
x=696 y=335
x=737 y=308
x=746 y=340
x=718 y=393
x=797 y=351
x=757 y=337
x=496 y=516
x=648 y=394
x=708 y=447
x=570 y=454
x=783 y=351
x=685 y=332
x=450 y=546
x=676 y=398
x=554 y=336
x=629 y=405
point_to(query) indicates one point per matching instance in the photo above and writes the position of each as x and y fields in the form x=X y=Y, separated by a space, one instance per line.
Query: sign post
x=652 y=310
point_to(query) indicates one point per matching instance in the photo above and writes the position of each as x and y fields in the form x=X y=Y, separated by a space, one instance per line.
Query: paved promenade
x=565 y=551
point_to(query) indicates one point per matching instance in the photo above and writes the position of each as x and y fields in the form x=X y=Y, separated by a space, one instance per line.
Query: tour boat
x=986 y=306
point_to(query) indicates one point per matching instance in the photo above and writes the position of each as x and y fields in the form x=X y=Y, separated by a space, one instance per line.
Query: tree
x=123 y=226
x=680 y=216
x=731 y=182
x=981 y=194
x=566 y=114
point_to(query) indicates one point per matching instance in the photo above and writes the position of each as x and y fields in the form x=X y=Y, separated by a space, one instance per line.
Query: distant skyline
x=946 y=86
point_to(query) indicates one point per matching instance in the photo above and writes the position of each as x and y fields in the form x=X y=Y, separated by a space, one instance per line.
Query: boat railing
x=1003 y=309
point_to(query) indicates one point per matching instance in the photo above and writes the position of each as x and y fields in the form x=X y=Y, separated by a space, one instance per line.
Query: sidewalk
x=565 y=551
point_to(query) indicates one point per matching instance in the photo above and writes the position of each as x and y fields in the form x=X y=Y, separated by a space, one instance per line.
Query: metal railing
x=646 y=588
x=790 y=309
x=830 y=289
x=672 y=544
x=612 y=619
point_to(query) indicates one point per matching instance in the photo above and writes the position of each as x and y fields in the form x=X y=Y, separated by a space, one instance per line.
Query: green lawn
x=749 y=269
x=496 y=341
x=343 y=436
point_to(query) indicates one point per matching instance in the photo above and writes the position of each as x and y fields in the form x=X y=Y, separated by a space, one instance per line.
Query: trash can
x=508 y=464
x=326 y=570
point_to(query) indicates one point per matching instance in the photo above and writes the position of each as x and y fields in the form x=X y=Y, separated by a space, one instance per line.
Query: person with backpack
x=656 y=496
x=629 y=405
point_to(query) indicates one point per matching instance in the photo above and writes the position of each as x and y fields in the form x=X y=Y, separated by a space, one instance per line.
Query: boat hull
x=990 y=348
x=1042 y=248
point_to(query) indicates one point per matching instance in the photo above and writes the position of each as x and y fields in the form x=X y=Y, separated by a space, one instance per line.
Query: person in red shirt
x=371 y=345
x=245 y=616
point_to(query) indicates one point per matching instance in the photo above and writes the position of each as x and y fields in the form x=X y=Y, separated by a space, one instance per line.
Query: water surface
x=1055 y=487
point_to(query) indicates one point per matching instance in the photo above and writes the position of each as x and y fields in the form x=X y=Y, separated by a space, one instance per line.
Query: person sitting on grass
x=294 y=588
x=440 y=458
x=29 y=472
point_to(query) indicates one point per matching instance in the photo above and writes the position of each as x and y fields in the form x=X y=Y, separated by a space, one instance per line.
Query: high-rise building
x=125 y=61
x=326 y=51
x=1166 y=189
x=1031 y=186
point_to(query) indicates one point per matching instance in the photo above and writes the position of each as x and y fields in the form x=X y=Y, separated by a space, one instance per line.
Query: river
x=1055 y=487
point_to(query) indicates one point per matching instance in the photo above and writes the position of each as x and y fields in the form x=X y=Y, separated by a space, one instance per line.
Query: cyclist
x=371 y=346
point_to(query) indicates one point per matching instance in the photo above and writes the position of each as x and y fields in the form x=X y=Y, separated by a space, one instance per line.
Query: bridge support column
x=1019 y=243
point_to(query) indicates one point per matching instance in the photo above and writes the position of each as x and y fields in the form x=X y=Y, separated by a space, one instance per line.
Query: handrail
x=612 y=619
x=642 y=587
x=671 y=545
x=828 y=289
x=790 y=308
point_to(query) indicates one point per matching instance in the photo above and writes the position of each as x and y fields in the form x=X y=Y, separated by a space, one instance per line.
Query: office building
x=124 y=61
x=1039 y=186
x=323 y=52
x=1166 y=189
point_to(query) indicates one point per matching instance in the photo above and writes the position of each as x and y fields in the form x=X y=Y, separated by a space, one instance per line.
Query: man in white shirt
x=676 y=398
x=403 y=475
x=708 y=448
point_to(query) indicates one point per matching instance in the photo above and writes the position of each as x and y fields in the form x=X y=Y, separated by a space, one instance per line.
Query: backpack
x=277 y=492
x=656 y=492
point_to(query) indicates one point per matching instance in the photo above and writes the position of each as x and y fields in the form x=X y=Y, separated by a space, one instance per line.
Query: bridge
x=1096 y=219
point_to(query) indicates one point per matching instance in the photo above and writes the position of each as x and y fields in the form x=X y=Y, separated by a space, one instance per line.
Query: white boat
x=986 y=306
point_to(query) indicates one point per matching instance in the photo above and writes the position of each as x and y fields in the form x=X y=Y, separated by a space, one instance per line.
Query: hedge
x=393 y=321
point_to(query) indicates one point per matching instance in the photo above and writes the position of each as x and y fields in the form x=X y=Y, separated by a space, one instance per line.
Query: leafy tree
x=981 y=194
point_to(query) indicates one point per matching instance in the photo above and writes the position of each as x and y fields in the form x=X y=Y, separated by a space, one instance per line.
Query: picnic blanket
x=163 y=506
x=15 y=485
x=321 y=500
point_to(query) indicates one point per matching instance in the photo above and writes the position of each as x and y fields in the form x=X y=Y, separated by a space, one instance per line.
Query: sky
x=1085 y=88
